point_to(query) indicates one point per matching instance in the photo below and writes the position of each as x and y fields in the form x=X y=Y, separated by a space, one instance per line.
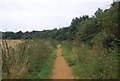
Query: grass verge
x=91 y=62
x=30 y=59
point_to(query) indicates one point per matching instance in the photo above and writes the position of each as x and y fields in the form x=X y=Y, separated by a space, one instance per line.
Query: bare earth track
x=61 y=70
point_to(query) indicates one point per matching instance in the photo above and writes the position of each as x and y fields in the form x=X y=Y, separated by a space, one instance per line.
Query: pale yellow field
x=12 y=43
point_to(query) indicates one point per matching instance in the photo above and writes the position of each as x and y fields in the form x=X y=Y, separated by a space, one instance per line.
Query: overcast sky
x=28 y=15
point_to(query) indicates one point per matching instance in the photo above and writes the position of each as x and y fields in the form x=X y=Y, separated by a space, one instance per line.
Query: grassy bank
x=31 y=59
x=91 y=62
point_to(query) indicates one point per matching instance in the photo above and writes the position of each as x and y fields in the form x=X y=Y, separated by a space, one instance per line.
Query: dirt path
x=61 y=70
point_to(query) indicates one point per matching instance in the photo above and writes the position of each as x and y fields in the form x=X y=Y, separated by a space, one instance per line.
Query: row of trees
x=102 y=28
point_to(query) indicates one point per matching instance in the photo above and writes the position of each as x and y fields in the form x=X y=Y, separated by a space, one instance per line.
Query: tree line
x=101 y=28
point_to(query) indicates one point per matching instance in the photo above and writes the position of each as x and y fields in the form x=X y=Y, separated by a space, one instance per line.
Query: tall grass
x=91 y=62
x=31 y=59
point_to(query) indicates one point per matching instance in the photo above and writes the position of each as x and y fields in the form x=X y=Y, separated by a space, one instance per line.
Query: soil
x=61 y=69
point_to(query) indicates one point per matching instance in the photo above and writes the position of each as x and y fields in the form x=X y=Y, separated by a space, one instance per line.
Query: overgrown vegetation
x=31 y=59
x=94 y=52
x=91 y=48
x=91 y=62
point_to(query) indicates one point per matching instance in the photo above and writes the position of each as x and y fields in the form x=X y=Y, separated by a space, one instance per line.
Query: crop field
x=12 y=43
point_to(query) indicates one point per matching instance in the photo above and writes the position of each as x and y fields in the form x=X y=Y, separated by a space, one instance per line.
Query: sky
x=29 y=15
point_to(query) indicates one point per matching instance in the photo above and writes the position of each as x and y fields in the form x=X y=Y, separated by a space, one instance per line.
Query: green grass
x=31 y=59
x=67 y=53
x=47 y=67
x=91 y=62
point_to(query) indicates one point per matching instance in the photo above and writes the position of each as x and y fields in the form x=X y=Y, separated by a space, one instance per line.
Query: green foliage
x=83 y=28
x=68 y=54
x=8 y=35
x=87 y=30
x=98 y=12
x=30 y=59
x=95 y=47
x=91 y=62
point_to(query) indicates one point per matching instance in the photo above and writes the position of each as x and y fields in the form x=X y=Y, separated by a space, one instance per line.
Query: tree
x=98 y=13
x=19 y=35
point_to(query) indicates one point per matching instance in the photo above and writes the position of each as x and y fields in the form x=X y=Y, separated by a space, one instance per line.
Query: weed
x=91 y=62
x=31 y=59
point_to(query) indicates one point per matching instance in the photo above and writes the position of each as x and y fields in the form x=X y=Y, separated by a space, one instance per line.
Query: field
x=24 y=59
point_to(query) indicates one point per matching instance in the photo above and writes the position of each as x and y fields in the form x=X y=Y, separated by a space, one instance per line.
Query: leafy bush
x=91 y=62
